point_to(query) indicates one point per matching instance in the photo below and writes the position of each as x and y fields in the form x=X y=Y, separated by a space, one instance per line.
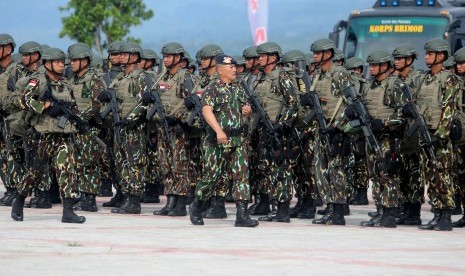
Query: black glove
x=189 y=103
x=350 y=112
x=305 y=100
x=104 y=96
x=121 y=123
x=54 y=111
x=407 y=111
x=456 y=130
x=171 y=121
x=147 y=98
x=377 y=125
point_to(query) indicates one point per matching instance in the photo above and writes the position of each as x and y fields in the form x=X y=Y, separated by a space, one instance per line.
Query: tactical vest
x=429 y=100
x=171 y=95
x=267 y=90
x=324 y=90
x=4 y=92
x=122 y=87
x=82 y=103
x=44 y=123
x=375 y=101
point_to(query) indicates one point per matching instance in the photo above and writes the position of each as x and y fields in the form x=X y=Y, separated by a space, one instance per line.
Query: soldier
x=411 y=187
x=8 y=78
x=310 y=64
x=449 y=64
x=224 y=109
x=357 y=174
x=329 y=82
x=459 y=161
x=173 y=147
x=51 y=142
x=383 y=103
x=130 y=156
x=87 y=85
x=437 y=100
x=339 y=57
x=276 y=90
x=152 y=185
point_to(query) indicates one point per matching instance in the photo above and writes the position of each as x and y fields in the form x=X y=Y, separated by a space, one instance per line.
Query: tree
x=89 y=20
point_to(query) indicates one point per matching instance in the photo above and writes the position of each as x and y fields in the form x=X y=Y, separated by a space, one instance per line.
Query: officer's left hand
x=246 y=110
x=221 y=137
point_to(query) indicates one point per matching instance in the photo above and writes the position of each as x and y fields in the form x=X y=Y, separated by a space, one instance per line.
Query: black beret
x=224 y=60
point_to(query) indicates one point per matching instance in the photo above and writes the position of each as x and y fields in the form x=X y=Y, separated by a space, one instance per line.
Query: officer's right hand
x=104 y=96
x=221 y=137
x=147 y=98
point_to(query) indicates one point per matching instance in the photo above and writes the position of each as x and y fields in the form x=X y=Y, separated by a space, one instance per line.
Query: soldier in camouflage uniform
x=329 y=81
x=87 y=85
x=356 y=168
x=411 y=187
x=383 y=104
x=277 y=91
x=173 y=151
x=130 y=155
x=437 y=98
x=12 y=168
x=459 y=157
x=153 y=179
x=339 y=58
x=224 y=107
x=50 y=144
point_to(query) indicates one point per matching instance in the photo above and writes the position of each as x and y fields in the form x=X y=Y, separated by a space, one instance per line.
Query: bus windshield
x=385 y=33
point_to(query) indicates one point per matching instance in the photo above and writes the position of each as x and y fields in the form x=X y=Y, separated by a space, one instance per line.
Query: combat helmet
x=80 y=52
x=240 y=60
x=30 y=47
x=380 y=56
x=270 y=48
x=115 y=47
x=210 y=51
x=309 y=59
x=149 y=54
x=323 y=44
x=132 y=48
x=450 y=62
x=354 y=63
x=438 y=45
x=460 y=55
x=6 y=39
x=404 y=51
x=173 y=48
x=338 y=55
x=53 y=54
x=250 y=52
x=78 y=44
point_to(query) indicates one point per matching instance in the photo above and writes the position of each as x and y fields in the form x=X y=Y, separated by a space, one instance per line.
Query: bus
x=392 y=22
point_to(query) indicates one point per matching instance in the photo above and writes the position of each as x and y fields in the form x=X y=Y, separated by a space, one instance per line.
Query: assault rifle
x=68 y=114
x=364 y=119
x=257 y=105
x=112 y=107
x=197 y=112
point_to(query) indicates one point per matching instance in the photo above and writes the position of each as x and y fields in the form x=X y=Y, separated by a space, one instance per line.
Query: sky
x=294 y=24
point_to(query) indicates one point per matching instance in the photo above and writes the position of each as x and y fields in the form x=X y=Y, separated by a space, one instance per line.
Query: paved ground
x=109 y=244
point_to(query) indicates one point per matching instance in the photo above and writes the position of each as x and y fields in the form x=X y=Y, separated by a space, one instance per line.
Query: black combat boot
x=337 y=216
x=68 y=214
x=217 y=209
x=18 y=207
x=458 y=205
x=308 y=209
x=460 y=223
x=255 y=204
x=388 y=218
x=190 y=195
x=132 y=206
x=319 y=201
x=445 y=221
x=379 y=211
x=123 y=205
x=323 y=219
x=229 y=195
x=374 y=220
x=346 y=209
x=324 y=211
x=411 y=215
x=115 y=201
x=170 y=203
x=263 y=206
x=432 y=223
x=10 y=195
x=242 y=215
x=105 y=189
x=43 y=200
x=54 y=193
x=283 y=212
x=150 y=194
x=294 y=211
x=406 y=211
x=360 y=197
x=87 y=203
x=195 y=212
x=272 y=213
x=179 y=209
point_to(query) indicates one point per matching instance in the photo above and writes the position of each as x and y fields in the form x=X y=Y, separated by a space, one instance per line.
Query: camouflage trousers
x=384 y=173
x=174 y=161
x=355 y=166
x=218 y=159
x=12 y=157
x=153 y=175
x=330 y=173
x=254 y=174
x=459 y=172
x=411 y=185
x=305 y=182
x=131 y=159
x=107 y=164
x=89 y=162
x=57 y=151
x=196 y=161
x=439 y=182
